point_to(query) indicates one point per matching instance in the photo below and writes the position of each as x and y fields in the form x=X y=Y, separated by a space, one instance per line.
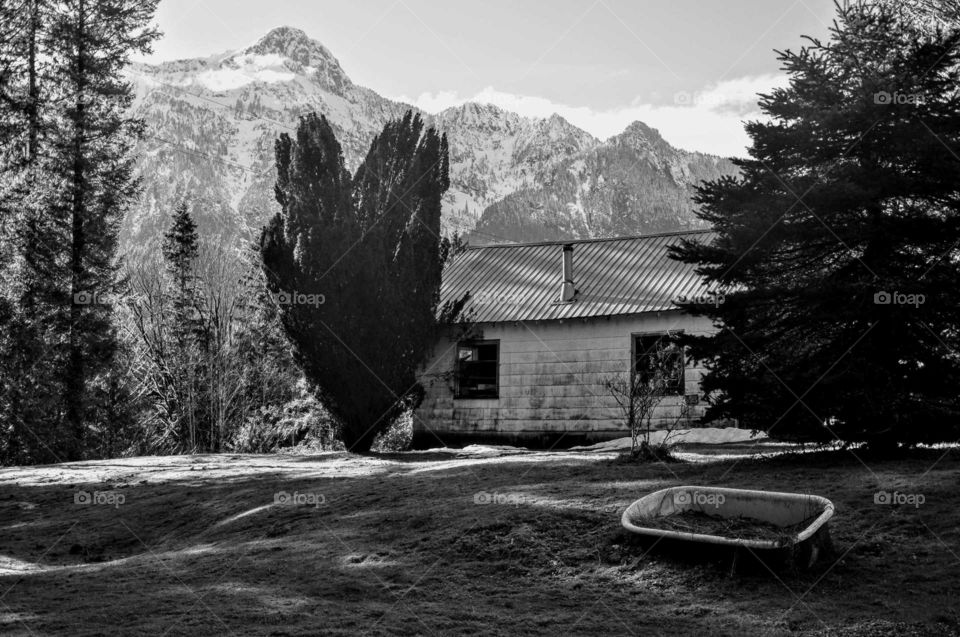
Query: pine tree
x=61 y=78
x=929 y=14
x=91 y=43
x=838 y=244
x=369 y=247
x=22 y=30
x=29 y=407
x=180 y=249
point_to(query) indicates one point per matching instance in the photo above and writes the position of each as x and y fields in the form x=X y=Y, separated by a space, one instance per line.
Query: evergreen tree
x=90 y=44
x=61 y=79
x=838 y=244
x=22 y=29
x=180 y=249
x=25 y=404
x=369 y=247
x=929 y=14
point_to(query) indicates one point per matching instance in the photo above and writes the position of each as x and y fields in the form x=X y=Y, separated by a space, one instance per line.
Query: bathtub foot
x=734 y=561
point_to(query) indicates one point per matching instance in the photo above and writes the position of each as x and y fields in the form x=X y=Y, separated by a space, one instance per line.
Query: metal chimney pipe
x=567 y=291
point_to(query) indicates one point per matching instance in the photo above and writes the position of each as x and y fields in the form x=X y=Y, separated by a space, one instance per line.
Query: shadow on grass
x=396 y=550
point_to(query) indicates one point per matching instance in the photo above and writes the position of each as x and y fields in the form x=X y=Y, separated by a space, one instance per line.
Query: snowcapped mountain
x=212 y=123
x=494 y=153
x=634 y=183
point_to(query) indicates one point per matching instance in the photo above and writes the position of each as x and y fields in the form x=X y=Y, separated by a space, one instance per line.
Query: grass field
x=399 y=544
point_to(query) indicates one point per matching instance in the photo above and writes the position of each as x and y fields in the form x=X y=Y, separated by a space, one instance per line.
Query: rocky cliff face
x=634 y=183
x=212 y=123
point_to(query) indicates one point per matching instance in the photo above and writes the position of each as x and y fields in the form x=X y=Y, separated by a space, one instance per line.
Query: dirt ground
x=484 y=543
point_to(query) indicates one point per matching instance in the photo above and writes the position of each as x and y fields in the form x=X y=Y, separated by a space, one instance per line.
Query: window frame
x=635 y=337
x=458 y=389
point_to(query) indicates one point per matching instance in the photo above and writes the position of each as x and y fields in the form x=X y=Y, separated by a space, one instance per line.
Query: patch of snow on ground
x=699 y=435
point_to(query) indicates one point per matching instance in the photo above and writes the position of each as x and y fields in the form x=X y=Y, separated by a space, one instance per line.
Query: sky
x=689 y=68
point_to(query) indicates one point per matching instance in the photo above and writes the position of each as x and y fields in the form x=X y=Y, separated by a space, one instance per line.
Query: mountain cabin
x=547 y=325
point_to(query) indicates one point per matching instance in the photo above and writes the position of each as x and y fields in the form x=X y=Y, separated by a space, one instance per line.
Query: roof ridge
x=674 y=233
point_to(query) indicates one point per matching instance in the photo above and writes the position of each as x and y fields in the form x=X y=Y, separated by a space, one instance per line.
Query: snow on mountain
x=212 y=123
x=634 y=183
x=494 y=152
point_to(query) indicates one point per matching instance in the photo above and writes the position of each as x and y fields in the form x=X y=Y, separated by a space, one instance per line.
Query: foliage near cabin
x=838 y=244
x=213 y=370
x=638 y=393
x=355 y=263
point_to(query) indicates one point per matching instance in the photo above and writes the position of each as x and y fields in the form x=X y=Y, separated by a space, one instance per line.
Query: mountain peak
x=480 y=116
x=559 y=123
x=295 y=45
x=291 y=43
x=639 y=135
x=639 y=129
x=477 y=109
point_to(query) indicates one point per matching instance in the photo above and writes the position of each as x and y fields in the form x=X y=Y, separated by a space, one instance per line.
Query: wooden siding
x=551 y=382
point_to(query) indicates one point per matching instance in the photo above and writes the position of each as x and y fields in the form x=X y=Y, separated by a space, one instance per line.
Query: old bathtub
x=804 y=542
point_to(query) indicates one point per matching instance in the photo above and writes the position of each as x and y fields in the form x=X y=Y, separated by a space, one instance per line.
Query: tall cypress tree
x=369 y=247
x=838 y=244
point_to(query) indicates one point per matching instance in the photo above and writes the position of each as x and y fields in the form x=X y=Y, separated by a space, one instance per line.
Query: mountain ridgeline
x=212 y=122
x=634 y=183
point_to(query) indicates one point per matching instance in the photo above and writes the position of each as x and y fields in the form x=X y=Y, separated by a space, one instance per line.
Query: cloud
x=709 y=120
x=241 y=71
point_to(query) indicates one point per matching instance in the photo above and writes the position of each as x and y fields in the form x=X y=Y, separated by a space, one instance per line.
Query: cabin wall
x=551 y=376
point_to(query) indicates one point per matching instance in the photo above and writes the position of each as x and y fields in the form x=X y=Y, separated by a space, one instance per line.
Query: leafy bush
x=300 y=421
x=397 y=436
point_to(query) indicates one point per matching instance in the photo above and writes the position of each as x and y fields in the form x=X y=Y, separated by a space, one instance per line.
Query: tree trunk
x=358 y=438
x=33 y=108
x=74 y=383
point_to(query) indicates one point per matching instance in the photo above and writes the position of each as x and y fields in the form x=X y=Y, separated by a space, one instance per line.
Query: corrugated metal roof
x=521 y=282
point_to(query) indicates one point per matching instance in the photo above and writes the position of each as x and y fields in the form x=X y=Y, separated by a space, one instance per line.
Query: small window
x=659 y=364
x=478 y=369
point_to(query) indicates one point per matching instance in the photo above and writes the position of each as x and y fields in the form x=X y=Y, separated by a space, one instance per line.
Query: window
x=659 y=364
x=477 y=369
